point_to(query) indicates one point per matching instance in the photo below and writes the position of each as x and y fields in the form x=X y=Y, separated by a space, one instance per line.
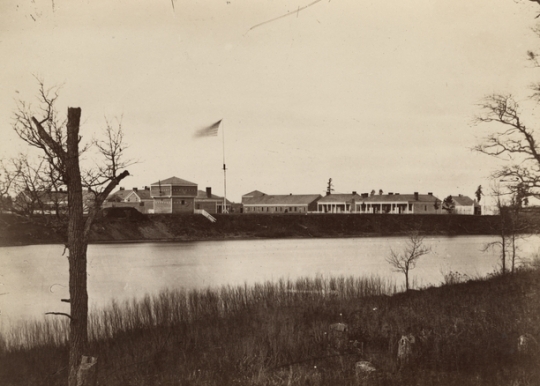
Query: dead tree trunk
x=77 y=246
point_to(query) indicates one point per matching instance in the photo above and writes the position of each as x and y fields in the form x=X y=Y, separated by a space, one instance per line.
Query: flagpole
x=224 y=173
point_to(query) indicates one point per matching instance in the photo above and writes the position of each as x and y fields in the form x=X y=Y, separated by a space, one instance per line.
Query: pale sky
x=375 y=95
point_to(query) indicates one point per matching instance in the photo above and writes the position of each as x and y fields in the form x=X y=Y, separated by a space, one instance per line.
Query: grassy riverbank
x=284 y=333
x=120 y=225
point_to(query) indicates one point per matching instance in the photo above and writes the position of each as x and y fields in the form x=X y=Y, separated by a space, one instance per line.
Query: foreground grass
x=281 y=334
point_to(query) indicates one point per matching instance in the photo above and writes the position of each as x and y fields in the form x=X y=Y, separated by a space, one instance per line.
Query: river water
x=33 y=279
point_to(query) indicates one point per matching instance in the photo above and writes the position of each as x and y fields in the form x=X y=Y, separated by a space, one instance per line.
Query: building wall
x=143 y=206
x=165 y=191
x=462 y=209
x=424 y=208
x=162 y=205
x=182 y=205
x=269 y=209
x=209 y=206
x=184 y=191
x=132 y=198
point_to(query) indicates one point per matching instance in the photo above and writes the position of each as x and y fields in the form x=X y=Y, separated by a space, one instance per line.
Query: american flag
x=210 y=131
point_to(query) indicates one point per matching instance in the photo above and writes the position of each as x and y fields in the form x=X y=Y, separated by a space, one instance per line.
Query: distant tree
x=7 y=179
x=478 y=193
x=406 y=260
x=380 y=192
x=372 y=193
x=329 y=187
x=114 y=198
x=449 y=204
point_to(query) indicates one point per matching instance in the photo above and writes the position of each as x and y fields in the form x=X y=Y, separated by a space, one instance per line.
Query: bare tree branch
x=515 y=142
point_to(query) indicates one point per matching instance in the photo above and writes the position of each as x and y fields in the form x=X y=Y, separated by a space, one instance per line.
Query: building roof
x=255 y=193
x=463 y=200
x=339 y=198
x=175 y=181
x=144 y=194
x=285 y=199
x=202 y=196
x=399 y=198
x=120 y=194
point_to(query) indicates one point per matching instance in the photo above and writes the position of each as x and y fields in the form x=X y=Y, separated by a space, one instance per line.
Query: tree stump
x=87 y=372
x=364 y=371
x=339 y=336
x=405 y=351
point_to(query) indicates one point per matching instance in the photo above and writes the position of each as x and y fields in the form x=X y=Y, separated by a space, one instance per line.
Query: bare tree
x=502 y=228
x=60 y=148
x=8 y=176
x=515 y=142
x=405 y=260
x=511 y=228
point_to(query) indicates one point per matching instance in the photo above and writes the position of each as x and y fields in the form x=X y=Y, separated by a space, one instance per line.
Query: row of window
x=168 y=202
x=283 y=209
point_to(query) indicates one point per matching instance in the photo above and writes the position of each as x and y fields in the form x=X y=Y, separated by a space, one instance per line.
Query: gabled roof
x=463 y=200
x=120 y=194
x=285 y=199
x=339 y=198
x=255 y=193
x=175 y=181
x=400 y=198
x=143 y=194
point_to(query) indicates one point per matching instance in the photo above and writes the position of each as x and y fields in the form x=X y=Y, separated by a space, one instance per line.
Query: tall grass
x=279 y=333
x=171 y=307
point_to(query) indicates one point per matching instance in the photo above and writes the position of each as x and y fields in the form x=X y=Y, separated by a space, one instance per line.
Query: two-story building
x=174 y=195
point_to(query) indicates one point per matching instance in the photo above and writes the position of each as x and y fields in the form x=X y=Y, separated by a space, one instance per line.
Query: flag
x=210 y=131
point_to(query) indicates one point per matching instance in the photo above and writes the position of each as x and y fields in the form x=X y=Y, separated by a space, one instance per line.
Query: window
x=183 y=202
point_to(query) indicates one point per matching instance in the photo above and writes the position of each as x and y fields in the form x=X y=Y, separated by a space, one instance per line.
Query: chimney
x=416 y=196
x=354 y=193
x=209 y=192
x=365 y=195
x=390 y=193
x=135 y=189
x=430 y=193
x=397 y=194
x=122 y=188
x=146 y=188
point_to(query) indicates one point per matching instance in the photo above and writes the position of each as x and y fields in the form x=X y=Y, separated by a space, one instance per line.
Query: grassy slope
x=16 y=230
x=280 y=334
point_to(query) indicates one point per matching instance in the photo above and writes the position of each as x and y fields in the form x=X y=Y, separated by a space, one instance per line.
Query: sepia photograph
x=273 y=192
